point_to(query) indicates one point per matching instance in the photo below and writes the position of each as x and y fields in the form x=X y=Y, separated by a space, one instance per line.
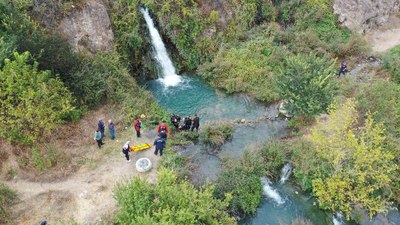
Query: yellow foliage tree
x=358 y=167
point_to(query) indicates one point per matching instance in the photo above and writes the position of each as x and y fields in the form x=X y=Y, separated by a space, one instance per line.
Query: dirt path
x=86 y=196
x=385 y=37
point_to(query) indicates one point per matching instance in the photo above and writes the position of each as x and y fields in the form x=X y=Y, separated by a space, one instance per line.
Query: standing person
x=111 y=128
x=162 y=129
x=188 y=123
x=174 y=121
x=97 y=137
x=159 y=143
x=343 y=67
x=138 y=124
x=101 y=127
x=125 y=150
x=196 y=123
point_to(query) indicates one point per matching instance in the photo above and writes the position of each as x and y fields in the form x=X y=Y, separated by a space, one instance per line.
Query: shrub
x=242 y=180
x=307 y=84
x=391 y=62
x=33 y=104
x=358 y=167
x=247 y=67
x=382 y=99
x=170 y=201
x=216 y=134
x=7 y=198
x=274 y=155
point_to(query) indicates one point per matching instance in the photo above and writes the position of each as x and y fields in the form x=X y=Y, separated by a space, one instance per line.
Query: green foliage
x=50 y=50
x=126 y=20
x=358 y=167
x=247 y=67
x=382 y=99
x=184 y=138
x=216 y=134
x=185 y=25
x=7 y=47
x=7 y=198
x=242 y=180
x=274 y=155
x=170 y=201
x=307 y=84
x=32 y=102
x=391 y=62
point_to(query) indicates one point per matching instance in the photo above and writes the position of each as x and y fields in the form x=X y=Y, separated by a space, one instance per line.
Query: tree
x=170 y=201
x=358 y=167
x=307 y=84
x=32 y=103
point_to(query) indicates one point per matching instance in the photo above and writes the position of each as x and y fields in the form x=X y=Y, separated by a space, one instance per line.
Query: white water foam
x=168 y=73
x=338 y=219
x=285 y=174
x=270 y=192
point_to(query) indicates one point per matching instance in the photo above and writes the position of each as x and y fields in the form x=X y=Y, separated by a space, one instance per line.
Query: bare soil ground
x=83 y=195
x=386 y=37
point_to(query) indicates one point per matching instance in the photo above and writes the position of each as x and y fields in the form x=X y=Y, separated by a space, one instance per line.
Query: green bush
x=274 y=155
x=242 y=180
x=33 y=103
x=216 y=134
x=246 y=67
x=306 y=165
x=170 y=201
x=382 y=98
x=391 y=62
x=307 y=84
x=7 y=198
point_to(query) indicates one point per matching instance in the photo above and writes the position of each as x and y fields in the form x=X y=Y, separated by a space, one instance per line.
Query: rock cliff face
x=88 y=28
x=362 y=15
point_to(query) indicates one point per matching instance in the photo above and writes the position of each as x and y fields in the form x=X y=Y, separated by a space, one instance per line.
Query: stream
x=255 y=124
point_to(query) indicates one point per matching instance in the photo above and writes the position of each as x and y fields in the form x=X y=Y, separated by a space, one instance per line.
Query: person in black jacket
x=196 y=123
x=159 y=143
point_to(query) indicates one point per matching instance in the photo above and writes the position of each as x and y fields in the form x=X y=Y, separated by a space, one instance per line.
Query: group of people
x=99 y=134
x=162 y=130
x=188 y=122
x=160 y=142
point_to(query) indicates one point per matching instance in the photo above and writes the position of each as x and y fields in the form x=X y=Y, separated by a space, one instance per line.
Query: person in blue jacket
x=159 y=143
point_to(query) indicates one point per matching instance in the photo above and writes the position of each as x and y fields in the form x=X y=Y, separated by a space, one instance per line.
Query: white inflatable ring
x=143 y=165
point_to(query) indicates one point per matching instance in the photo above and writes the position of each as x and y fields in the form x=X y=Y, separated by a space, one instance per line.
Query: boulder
x=88 y=28
x=362 y=15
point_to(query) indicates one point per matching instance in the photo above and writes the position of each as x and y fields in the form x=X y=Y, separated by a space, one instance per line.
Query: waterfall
x=168 y=73
x=338 y=219
x=270 y=192
x=286 y=171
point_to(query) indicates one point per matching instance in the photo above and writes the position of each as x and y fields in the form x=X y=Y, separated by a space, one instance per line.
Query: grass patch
x=216 y=134
x=7 y=198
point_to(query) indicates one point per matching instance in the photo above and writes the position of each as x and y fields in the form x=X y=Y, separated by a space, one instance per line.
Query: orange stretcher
x=140 y=147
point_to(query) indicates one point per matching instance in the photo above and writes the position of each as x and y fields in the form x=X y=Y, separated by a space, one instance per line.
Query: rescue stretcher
x=140 y=147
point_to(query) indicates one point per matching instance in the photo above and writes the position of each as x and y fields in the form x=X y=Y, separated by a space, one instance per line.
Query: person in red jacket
x=138 y=124
x=162 y=129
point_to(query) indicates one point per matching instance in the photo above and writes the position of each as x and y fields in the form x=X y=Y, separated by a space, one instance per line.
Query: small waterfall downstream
x=286 y=171
x=270 y=192
x=168 y=74
x=338 y=219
